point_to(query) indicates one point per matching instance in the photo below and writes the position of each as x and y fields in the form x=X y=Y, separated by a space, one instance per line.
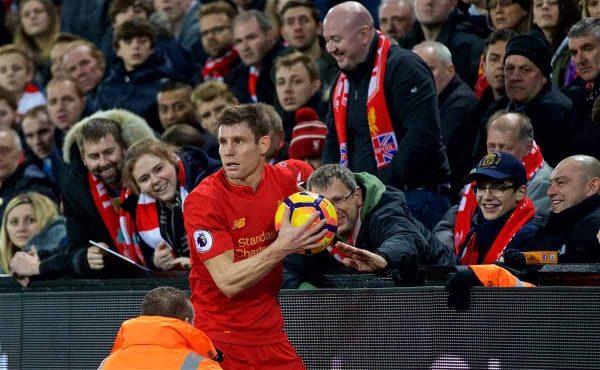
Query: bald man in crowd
x=575 y=218
x=399 y=140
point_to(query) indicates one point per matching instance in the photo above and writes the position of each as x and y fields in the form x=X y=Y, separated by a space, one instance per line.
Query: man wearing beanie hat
x=527 y=69
x=504 y=219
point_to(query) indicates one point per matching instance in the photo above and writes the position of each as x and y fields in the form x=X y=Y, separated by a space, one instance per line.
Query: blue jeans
x=426 y=206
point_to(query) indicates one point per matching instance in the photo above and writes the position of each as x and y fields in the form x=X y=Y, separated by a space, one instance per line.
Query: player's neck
x=252 y=180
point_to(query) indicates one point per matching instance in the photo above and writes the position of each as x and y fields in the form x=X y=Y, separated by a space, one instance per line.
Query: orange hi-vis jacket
x=156 y=342
x=496 y=276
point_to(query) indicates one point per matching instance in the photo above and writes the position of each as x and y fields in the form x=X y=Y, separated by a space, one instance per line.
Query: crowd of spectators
x=444 y=131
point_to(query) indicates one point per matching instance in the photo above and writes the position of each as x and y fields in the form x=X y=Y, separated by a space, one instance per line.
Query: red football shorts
x=280 y=356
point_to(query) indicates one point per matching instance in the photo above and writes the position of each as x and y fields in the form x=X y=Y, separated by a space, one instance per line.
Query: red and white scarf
x=532 y=162
x=118 y=222
x=146 y=216
x=469 y=255
x=218 y=68
x=383 y=138
x=253 y=76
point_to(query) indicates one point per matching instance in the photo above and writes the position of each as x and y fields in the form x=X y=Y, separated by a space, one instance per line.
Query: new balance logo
x=239 y=223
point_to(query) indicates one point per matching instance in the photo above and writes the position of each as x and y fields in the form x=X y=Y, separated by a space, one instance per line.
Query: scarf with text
x=218 y=68
x=253 y=82
x=523 y=213
x=117 y=221
x=383 y=138
x=146 y=216
x=532 y=162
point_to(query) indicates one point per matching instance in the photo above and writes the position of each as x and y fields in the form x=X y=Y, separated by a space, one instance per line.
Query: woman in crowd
x=33 y=239
x=554 y=18
x=591 y=8
x=514 y=15
x=163 y=177
x=38 y=26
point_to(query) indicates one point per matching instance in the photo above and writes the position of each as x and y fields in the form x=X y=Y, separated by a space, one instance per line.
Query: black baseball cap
x=499 y=166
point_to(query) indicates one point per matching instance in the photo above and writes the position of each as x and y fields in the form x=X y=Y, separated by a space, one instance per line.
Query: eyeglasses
x=495 y=190
x=340 y=200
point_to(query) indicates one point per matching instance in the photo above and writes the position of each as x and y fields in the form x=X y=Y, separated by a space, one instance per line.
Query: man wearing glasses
x=216 y=28
x=504 y=217
x=376 y=232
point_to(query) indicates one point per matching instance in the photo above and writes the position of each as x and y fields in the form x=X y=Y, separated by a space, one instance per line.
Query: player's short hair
x=324 y=175
x=255 y=117
x=167 y=301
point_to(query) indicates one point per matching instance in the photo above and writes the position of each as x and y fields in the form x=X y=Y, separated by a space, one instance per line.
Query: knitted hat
x=308 y=136
x=533 y=46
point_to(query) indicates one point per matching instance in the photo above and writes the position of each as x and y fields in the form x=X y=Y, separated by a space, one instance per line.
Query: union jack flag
x=344 y=155
x=385 y=147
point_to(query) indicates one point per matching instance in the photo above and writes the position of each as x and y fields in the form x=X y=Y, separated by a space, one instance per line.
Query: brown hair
x=288 y=60
x=316 y=14
x=35 y=111
x=134 y=28
x=42 y=46
x=117 y=6
x=217 y=7
x=15 y=49
x=209 y=91
x=137 y=150
x=167 y=301
x=182 y=134
x=255 y=117
x=95 y=129
x=77 y=87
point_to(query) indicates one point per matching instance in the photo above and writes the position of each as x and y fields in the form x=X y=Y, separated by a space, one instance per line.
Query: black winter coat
x=413 y=106
x=389 y=229
x=573 y=233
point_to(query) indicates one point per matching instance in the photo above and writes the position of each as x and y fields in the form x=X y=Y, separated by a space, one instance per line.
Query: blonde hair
x=44 y=210
x=40 y=48
x=209 y=91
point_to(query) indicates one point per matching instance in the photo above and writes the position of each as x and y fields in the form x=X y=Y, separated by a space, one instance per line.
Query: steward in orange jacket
x=157 y=342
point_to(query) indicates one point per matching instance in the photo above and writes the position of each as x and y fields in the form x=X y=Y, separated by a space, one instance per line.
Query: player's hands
x=25 y=264
x=361 y=259
x=95 y=257
x=163 y=258
x=303 y=237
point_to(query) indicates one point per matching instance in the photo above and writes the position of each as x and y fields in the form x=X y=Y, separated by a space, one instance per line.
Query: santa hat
x=308 y=136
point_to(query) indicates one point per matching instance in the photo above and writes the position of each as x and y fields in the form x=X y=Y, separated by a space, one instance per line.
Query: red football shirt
x=219 y=217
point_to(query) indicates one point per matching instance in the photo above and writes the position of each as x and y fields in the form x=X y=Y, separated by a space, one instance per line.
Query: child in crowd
x=16 y=73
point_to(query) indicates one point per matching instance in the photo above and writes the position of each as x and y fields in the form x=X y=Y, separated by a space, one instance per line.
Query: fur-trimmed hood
x=133 y=128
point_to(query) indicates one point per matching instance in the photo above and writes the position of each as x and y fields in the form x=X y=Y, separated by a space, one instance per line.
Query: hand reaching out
x=361 y=259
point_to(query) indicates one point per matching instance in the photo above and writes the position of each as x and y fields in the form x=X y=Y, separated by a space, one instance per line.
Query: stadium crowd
x=444 y=132
x=109 y=116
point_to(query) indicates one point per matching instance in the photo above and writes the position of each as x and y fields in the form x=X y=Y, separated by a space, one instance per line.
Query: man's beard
x=113 y=180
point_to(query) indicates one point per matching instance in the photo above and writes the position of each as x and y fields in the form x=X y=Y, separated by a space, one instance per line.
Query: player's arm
x=233 y=278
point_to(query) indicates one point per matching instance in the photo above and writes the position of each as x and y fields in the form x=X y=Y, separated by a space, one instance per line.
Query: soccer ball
x=302 y=205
